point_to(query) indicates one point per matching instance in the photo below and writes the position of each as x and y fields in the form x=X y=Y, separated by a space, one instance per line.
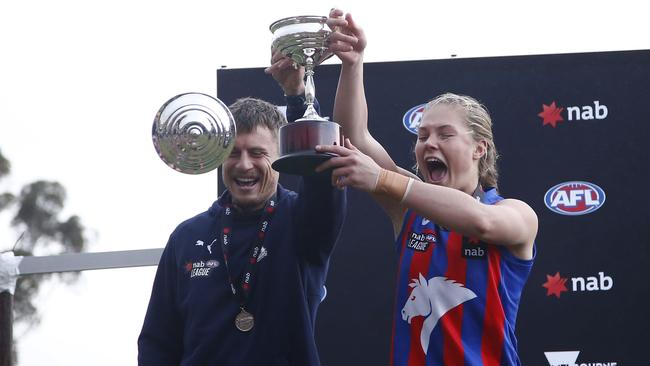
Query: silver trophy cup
x=193 y=133
x=304 y=40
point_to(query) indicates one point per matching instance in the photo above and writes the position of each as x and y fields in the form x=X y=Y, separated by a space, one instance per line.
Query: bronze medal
x=244 y=321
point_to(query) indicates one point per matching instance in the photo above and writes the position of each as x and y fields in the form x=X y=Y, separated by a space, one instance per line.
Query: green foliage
x=6 y=199
x=26 y=290
x=38 y=224
x=5 y=167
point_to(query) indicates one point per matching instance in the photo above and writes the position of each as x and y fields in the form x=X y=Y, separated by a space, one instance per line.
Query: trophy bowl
x=293 y=35
x=193 y=133
x=304 y=40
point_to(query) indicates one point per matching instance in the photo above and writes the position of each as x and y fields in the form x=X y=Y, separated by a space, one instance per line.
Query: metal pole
x=65 y=263
x=6 y=328
x=89 y=261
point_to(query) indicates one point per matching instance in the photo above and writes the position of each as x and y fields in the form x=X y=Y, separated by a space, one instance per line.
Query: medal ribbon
x=242 y=292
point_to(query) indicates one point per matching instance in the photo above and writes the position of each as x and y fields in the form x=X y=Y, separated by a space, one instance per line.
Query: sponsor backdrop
x=572 y=132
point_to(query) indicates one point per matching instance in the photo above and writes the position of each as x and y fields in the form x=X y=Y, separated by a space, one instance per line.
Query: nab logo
x=556 y=284
x=421 y=241
x=552 y=114
x=574 y=198
x=412 y=118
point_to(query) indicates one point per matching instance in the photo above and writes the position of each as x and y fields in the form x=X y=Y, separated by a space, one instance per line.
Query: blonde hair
x=477 y=119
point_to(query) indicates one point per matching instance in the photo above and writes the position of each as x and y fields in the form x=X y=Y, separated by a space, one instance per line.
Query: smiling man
x=240 y=284
x=247 y=172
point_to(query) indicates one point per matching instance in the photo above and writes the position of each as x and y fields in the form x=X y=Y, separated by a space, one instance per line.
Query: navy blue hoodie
x=191 y=315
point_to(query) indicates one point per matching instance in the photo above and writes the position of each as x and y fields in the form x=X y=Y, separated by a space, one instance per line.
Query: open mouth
x=436 y=169
x=246 y=182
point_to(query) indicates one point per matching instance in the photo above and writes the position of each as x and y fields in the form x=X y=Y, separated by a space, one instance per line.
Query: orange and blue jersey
x=457 y=297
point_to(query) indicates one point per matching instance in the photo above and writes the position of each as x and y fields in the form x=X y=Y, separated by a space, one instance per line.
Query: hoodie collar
x=225 y=198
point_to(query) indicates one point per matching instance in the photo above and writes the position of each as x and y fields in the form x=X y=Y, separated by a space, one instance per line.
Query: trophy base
x=301 y=163
x=297 y=141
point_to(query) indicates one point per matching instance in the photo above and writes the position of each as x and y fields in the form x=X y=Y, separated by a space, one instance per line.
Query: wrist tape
x=393 y=185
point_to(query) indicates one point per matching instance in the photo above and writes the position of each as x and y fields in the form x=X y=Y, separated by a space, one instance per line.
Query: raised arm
x=508 y=222
x=319 y=217
x=321 y=208
x=511 y=223
x=290 y=77
x=348 y=42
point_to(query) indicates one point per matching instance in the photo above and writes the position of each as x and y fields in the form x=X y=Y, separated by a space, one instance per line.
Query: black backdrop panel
x=575 y=121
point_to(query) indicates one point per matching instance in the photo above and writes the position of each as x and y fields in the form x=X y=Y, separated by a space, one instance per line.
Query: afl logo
x=412 y=118
x=574 y=198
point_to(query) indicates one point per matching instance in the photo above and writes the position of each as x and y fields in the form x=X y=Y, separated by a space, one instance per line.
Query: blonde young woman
x=465 y=252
